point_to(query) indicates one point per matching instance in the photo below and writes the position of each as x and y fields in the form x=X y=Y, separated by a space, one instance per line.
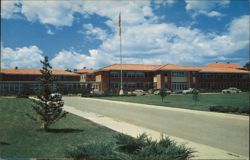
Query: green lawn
x=185 y=101
x=21 y=137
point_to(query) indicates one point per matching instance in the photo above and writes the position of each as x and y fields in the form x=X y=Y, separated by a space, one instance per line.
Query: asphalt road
x=230 y=134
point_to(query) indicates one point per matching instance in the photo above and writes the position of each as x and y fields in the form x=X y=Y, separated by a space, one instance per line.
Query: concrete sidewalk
x=203 y=151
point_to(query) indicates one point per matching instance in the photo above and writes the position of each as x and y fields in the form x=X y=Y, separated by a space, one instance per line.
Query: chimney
x=16 y=67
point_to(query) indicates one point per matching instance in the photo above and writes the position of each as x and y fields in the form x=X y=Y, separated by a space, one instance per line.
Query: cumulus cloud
x=94 y=32
x=61 y=13
x=167 y=43
x=144 y=39
x=9 y=9
x=197 y=8
x=74 y=60
x=164 y=2
x=25 y=57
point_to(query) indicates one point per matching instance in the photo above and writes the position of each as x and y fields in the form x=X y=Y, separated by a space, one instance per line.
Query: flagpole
x=120 y=34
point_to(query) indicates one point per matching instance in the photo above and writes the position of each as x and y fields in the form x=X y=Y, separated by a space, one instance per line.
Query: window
x=176 y=86
x=115 y=74
x=179 y=74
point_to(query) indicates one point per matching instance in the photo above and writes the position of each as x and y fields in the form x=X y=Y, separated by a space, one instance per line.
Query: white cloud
x=239 y=28
x=214 y=14
x=94 y=32
x=147 y=44
x=167 y=43
x=144 y=40
x=9 y=9
x=61 y=13
x=196 y=7
x=164 y=2
x=49 y=32
x=74 y=60
x=25 y=57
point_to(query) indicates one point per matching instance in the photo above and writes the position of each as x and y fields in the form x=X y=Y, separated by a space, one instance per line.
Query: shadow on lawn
x=64 y=130
x=4 y=143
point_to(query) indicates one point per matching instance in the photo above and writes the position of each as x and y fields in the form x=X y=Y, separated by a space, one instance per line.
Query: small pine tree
x=163 y=94
x=49 y=109
x=196 y=95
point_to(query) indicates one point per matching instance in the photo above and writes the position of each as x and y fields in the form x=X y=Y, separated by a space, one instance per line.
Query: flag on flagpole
x=119 y=23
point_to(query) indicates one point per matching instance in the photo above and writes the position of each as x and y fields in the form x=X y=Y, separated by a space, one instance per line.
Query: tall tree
x=48 y=108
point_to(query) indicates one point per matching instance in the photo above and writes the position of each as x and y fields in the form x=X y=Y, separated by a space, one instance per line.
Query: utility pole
x=120 y=34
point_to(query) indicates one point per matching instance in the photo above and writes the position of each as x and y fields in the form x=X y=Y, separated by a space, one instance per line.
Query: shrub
x=217 y=108
x=230 y=109
x=129 y=148
x=244 y=110
x=165 y=149
x=96 y=151
x=131 y=145
x=143 y=148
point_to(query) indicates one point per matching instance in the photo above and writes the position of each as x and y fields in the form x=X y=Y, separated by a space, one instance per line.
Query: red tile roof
x=211 y=67
x=171 y=67
x=222 y=70
x=84 y=70
x=130 y=67
x=220 y=67
x=36 y=72
x=223 y=65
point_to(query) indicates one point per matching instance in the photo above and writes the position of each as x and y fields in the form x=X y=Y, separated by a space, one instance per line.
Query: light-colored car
x=56 y=96
x=157 y=92
x=139 y=92
x=188 y=91
x=231 y=90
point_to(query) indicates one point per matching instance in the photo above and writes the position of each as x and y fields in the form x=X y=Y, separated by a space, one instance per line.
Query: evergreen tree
x=48 y=108
x=196 y=95
x=163 y=94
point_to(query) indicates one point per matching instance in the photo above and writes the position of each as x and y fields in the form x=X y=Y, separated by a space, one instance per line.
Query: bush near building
x=230 y=109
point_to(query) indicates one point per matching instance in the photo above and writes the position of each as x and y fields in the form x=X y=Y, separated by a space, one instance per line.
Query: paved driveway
x=230 y=133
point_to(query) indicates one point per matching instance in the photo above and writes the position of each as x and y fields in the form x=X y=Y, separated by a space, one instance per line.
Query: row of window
x=131 y=85
x=226 y=76
x=177 y=86
x=179 y=74
x=20 y=87
x=131 y=74
x=33 y=77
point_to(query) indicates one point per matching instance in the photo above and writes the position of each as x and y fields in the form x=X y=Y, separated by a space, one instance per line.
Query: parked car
x=56 y=96
x=231 y=90
x=139 y=92
x=188 y=91
x=157 y=91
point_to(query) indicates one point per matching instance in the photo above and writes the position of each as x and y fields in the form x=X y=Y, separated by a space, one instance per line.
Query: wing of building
x=212 y=77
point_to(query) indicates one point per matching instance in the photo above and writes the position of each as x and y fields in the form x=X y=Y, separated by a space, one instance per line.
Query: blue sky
x=77 y=34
